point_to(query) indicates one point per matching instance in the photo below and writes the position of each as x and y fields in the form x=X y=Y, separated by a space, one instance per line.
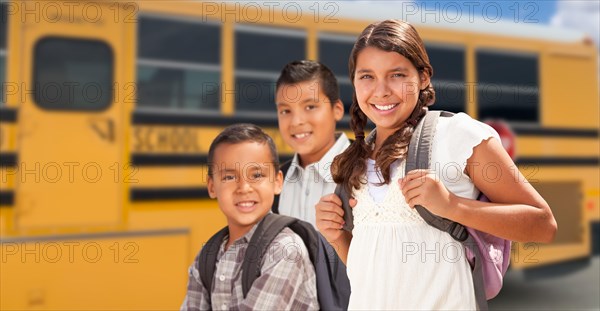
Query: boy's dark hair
x=307 y=70
x=239 y=133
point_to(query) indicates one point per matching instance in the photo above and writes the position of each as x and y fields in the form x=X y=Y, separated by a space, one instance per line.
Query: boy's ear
x=278 y=182
x=338 y=110
x=210 y=185
x=425 y=79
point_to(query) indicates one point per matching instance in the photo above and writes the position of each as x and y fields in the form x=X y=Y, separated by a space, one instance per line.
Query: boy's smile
x=301 y=136
x=246 y=206
x=244 y=182
x=307 y=119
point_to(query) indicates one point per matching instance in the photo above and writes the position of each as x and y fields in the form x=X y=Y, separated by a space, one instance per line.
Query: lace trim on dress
x=393 y=208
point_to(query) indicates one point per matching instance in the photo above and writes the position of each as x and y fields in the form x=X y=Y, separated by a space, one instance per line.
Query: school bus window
x=3 y=24
x=2 y=75
x=449 y=96
x=267 y=49
x=3 y=35
x=334 y=52
x=178 y=63
x=448 y=77
x=177 y=88
x=255 y=94
x=260 y=53
x=346 y=91
x=73 y=74
x=179 y=40
x=508 y=86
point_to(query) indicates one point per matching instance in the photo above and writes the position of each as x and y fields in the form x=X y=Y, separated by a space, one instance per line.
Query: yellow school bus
x=108 y=109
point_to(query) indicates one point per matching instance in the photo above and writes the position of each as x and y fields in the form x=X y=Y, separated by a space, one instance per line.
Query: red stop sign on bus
x=507 y=136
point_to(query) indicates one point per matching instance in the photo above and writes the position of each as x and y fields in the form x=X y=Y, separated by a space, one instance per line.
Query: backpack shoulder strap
x=284 y=169
x=421 y=142
x=333 y=286
x=265 y=233
x=419 y=157
x=208 y=258
x=344 y=196
x=309 y=236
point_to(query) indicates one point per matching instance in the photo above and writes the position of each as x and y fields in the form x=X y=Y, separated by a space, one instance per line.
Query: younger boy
x=308 y=107
x=244 y=177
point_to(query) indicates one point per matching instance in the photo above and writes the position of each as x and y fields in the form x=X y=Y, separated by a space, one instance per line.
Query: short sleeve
x=454 y=142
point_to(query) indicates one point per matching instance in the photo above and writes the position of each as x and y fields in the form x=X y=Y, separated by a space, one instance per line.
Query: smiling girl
x=395 y=260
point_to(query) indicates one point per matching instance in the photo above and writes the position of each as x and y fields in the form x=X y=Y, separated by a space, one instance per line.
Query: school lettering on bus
x=166 y=139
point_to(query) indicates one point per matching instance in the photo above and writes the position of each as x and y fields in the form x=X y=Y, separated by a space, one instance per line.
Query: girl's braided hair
x=391 y=36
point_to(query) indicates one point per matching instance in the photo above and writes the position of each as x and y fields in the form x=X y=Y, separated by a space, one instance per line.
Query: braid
x=349 y=166
x=358 y=121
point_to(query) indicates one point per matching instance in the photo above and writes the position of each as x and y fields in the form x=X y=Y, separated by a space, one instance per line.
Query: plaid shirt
x=287 y=280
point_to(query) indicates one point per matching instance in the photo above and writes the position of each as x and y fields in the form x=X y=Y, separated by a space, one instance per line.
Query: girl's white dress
x=396 y=260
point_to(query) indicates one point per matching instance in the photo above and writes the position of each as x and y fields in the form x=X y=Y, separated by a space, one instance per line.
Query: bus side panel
x=563 y=188
x=202 y=217
x=570 y=83
x=127 y=272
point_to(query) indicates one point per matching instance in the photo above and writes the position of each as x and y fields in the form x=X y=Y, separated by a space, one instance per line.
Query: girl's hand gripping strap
x=419 y=157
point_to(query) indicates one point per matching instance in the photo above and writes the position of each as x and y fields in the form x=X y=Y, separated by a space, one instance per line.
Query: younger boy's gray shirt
x=304 y=187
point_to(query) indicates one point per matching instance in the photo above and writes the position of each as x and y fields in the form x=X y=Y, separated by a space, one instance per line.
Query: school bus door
x=71 y=156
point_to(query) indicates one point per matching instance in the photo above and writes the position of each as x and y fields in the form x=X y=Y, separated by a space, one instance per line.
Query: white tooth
x=386 y=107
x=246 y=204
x=301 y=135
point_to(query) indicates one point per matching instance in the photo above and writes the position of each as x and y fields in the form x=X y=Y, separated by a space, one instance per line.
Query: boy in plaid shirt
x=244 y=177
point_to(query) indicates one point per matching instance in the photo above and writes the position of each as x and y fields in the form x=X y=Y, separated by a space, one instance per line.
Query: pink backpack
x=496 y=257
x=488 y=255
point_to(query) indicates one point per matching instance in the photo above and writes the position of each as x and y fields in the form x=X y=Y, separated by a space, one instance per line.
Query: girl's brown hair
x=390 y=36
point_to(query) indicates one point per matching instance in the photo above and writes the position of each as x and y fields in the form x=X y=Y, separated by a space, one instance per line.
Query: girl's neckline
x=397 y=173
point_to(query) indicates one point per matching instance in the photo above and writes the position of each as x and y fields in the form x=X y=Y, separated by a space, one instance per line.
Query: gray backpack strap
x=265 y=233
x=419 y=157
x=344 y=196
x=419 y=149
x=207 y=260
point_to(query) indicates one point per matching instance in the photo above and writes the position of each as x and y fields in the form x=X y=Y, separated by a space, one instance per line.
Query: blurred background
x=107 y=109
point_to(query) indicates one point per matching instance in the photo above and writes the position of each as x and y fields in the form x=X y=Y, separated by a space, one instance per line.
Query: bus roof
x=448 y=16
